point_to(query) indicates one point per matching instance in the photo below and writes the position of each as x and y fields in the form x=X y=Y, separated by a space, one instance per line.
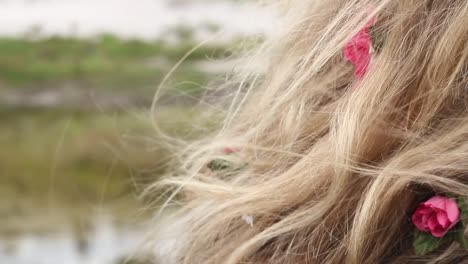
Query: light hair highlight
x=334 y=164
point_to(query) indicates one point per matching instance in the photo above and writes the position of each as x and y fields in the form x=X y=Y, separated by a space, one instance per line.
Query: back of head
x=327 y=167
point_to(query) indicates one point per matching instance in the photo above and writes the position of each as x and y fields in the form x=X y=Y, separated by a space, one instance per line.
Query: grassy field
x=83 y=155
x=64 y=164
x=58 y=156
x=106 y=63
x=77 y=162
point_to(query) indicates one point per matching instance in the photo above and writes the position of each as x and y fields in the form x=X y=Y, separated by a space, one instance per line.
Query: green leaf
x=460 y=236
x=224 y=165
x=463 y=205
x=219 y=164
x=378 y=40
x=424 y=243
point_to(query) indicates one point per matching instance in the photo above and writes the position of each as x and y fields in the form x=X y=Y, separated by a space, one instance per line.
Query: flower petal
x=418 y=221
x=432 y=222
x=453 y=212
x=443 y=219
x=358 y=52
x=439 y=231
x=425 y=218
x=436 y=202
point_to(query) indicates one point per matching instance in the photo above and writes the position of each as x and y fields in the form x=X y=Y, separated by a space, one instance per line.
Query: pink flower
x=359 y=50
x=437 y=215
x=228 y=150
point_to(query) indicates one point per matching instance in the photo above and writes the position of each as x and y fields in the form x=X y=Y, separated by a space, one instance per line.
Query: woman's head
x=328 y=166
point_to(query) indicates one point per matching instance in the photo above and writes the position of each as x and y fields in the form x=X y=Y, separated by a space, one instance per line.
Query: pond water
x=105 y=243
x=145 y=19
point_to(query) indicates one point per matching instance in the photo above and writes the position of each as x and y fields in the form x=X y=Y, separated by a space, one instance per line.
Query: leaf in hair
x=219 y=164
x=425 y=243
x=225 y=166
x=461 y=237
x=463 y=204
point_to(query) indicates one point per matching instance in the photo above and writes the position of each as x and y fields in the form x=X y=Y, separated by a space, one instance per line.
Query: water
x=146 y=19
x=106 y=243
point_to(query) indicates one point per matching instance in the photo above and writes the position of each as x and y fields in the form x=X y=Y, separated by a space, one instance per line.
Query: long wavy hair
x=323 y=167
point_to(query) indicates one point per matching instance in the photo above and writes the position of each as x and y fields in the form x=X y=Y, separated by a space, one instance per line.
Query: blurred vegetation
x=91 y=156
x=75 y=151
x=59 y=162
x=79 y=161
x=105 y=62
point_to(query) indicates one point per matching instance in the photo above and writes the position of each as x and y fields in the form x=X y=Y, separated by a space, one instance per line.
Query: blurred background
x=77 y=78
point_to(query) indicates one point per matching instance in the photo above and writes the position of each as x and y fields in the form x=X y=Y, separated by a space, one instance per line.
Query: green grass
x=75 y=158
x=82 y=156
x=105 y=62
x=57 y=166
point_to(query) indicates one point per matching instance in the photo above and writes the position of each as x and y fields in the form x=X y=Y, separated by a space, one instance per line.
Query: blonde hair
x=334 y=163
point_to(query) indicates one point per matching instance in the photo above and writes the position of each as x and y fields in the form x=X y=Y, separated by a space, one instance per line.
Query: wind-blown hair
x=334 y=164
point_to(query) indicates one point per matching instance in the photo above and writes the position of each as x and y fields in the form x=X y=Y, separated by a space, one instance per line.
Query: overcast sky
x=129 y=18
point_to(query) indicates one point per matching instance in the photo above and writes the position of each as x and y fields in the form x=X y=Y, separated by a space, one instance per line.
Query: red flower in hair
x=437 y=215
x=358 y=50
